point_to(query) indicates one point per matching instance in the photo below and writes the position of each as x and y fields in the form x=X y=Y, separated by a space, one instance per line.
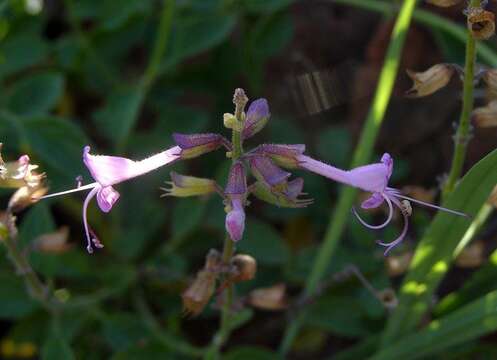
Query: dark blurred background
x=70 y=75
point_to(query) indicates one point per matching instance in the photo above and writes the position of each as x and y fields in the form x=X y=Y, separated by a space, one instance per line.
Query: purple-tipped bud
x=256 y=118
x=235 y=219
x=283 y=155
x=287 y=198
x=237 y=180
x=193 y=145
x=267 y=172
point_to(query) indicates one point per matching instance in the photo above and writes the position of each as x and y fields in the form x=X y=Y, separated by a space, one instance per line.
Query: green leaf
x=270 y=35
x=470 y=322
x=263 y=242
x=21 y=51
x=123 y=330
x=36 y=94
x=250 y=352
x=38 y=221
x=187 y=215
x=119 y=115
x=57 y=348
x=335 y=146
x=266 y=5
x=434 y=253
x=149 y=351
x=194 y=35
x=14 y=298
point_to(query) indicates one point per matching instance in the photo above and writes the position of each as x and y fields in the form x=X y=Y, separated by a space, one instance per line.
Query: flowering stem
x=462 y=135
x=361 y=156
x=36 y=288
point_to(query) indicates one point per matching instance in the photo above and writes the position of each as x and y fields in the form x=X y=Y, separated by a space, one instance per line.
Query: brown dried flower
x=270 y=298
x=486 y=116
x=481 y=23
x=429 y=81
x=26 y=196
x=245 y=267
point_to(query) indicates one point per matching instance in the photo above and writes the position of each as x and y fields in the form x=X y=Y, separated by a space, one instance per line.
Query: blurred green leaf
x=36 y=94
x=37 y=221
x=149 y=351
x=264 y=243
x=266 y=5
x=250 y=352
x=434 y=253
x=195 y=34
x=188 y=214
x=119 y=115
x=14 y=298
x=470 y=322
x=56 y=348
x=340 y=315
x=270 y=35
x=123 y=330
x=240 y=318
x=334 y=145
x=20 y=51
x=115 y=13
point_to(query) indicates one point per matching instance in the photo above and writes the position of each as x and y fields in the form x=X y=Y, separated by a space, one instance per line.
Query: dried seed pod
x=486 y=116
x=245 y=267
x=270 y=298
x=429 y=81
x=388 y=298
x=198 y=294
x=481 y=23
x=443 y=3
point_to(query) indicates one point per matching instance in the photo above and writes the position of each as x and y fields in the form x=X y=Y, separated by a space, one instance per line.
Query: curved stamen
x=458 y=213
x=381 y=226
x=402 y=235
x=90 y=196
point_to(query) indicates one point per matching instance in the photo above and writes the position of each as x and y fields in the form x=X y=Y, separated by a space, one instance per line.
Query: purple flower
x=111 y=170
x=193 y=145
x=256 y=118
x=372 y=178
x=236 y=193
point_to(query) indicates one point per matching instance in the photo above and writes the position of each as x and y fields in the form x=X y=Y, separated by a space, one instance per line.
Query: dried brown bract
x=429 y=81
x=270 y=298
x=481 y=23
x=245 y=267
x=26 y=196
x=486 y=116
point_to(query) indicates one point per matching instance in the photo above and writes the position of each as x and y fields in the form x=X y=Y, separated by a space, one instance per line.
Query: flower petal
x=237 y=182
x=266 y=171
x=257 y=117
x=108 y=170
x=373 y=177
x=375 y=200
x=106 y=198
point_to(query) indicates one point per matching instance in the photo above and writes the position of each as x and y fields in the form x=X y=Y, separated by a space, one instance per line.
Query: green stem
x=362 y=154
x=462 y=135
x=36 y=288
x=424 y=17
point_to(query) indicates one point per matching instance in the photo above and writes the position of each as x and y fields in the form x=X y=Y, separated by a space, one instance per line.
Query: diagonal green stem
x=462 y=135
x=361 y=156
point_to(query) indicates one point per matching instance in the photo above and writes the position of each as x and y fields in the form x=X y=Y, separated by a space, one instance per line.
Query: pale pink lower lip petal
x=106 y=198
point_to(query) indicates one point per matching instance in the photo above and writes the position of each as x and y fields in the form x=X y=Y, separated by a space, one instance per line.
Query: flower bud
x=245 y=266
x=183 y=186
x=429 y=81
x=270 y=298
x=486 y=116
x=230 y=122
x=256 y=118
x=443 y=3
x=235 y=220
x=283 y=155
x=237 y=180
x=193 y=145
x=481 y=23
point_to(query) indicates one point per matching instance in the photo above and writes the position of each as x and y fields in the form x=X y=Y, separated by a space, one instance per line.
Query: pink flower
x=111 y=170
x=372 y=178
x=236 y=193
